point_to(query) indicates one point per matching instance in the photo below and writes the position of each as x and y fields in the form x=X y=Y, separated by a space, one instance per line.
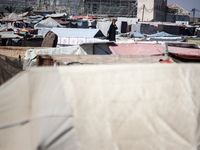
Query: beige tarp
x=104 y=107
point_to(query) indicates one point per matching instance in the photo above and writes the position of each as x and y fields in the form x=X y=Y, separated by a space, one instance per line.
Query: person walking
x=112 y=31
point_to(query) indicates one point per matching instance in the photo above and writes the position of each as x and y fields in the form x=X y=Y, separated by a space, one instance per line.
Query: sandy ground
x=15 y=52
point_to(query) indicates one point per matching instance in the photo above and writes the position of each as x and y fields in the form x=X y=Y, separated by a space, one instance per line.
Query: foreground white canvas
x=102 y=107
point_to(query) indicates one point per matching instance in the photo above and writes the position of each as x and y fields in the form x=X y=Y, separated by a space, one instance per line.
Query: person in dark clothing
x=112 y=31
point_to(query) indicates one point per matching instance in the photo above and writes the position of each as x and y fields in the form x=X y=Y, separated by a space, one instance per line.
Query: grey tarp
x=109 y=107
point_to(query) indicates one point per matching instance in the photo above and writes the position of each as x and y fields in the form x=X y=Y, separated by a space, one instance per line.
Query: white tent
x=104 y=107
x=74 y=36
x=49 y=22
x=56 y=15
x=45 y=26
x=12 y=17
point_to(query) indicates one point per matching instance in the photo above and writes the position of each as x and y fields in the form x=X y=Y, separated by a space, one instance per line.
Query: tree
x=9 y=9
x=27 y=9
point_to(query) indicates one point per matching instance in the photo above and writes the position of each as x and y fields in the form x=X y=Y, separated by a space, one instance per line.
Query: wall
x=148 y=10
x=174 y=18
x=154 y=10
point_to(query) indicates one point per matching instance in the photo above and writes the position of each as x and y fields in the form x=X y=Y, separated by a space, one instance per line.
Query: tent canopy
x=12 y=17
x=73 y=33
x=142 y=107
x=49 y=22
x=56 y=15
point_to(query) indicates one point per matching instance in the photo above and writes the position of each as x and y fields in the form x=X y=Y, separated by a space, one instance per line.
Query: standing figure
x=112 y=31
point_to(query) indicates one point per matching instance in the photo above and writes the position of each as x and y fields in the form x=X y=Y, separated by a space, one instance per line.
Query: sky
x=187 y=4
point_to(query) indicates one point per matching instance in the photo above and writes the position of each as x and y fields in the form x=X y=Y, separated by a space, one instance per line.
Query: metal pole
x=193 y=14
x=143 y=12
x=128 y=8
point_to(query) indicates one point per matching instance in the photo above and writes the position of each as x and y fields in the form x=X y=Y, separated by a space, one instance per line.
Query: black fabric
x=124 y=27
x=176 y=30
x=112 y=32
x=198 y=33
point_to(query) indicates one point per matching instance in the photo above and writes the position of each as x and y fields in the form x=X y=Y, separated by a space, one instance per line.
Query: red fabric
x=82 y=17
x=137 y=49
x=185 y=52
x=168 y=61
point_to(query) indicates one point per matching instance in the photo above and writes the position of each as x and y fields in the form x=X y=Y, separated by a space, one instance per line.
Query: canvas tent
x=12 y=17
x=71 y=36
x=45 y=26
x=51 y=108
x=56 y=15
x=48 y=23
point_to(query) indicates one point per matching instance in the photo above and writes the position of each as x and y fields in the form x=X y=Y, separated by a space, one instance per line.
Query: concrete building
x=177 y=13
x=152 y=10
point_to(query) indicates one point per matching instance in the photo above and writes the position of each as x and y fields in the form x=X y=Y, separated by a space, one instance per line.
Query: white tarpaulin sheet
x=107 y=107
x=74 y=33
x=76 y=41
x=31 y=54
x=128 y=20
x=105 y=25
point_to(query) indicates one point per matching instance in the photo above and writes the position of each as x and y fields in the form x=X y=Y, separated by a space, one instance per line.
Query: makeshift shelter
x=25 y=14
x=45 y=26
x=50 y=40
x=59 y=60
x=105 y=25
x=30 y=57
x=12 y=17
x=143 y=28
x=150 y=49
x=71 y=36
x=177 y=30
x=162 y=34
x=9 y=67
x=58 y=15
x=48 y=23
x=151 y=107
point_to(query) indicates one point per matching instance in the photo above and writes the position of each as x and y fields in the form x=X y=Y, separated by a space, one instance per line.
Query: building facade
x=152 y=10
x=177 y=13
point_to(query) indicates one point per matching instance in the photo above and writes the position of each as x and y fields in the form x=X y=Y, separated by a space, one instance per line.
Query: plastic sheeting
x=49 y=22
x=143 y=28
x=162 y=34
x=105 y=25
x=151 y=107
x=12 y=17
x=31 y=54
x=128 y=20
x=137 y=49
x=191 y=53
x=74 y=33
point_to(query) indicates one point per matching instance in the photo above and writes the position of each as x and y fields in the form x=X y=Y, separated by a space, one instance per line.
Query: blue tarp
x=161 y=34
x=137 y=34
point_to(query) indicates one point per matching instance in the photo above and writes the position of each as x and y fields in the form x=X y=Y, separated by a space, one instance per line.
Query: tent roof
x=148 y=107
x=137 y=49
x=162 y=34
x=12 y=17
x=56 y=15
x=50 y=22
x=73 y=33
